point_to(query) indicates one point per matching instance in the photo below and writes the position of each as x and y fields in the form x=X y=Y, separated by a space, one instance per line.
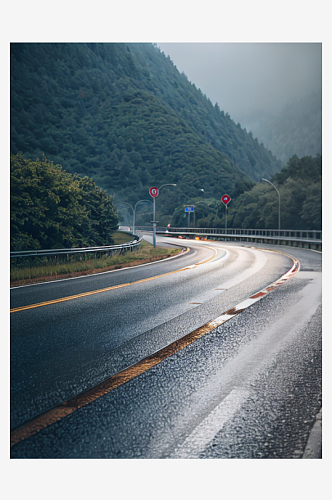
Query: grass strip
x=47 y=272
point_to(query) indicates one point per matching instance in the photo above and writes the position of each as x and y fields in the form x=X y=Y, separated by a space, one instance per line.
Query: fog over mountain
x=259 y=84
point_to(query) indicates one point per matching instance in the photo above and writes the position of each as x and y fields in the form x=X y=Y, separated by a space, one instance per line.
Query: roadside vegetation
x=51 y=208
x=34 y=273
x=300 y=186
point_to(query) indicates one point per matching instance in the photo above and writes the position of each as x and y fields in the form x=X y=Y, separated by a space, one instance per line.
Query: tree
x=51 y=208
x=102 y=218
x=300 y=187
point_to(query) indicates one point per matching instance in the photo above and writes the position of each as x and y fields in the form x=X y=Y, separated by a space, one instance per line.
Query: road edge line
x=64 y=409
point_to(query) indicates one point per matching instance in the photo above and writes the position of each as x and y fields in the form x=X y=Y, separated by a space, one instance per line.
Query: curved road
x=131 y=364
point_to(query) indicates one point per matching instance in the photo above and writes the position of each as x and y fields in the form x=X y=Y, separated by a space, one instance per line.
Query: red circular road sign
x=154 y=192
x=226 y=199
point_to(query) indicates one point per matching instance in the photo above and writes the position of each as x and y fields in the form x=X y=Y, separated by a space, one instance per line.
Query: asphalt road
x=249 y=388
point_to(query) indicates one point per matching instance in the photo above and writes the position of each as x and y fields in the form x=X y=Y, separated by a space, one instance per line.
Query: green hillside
x=51 y=208
x=123 y=115
x=300 y=187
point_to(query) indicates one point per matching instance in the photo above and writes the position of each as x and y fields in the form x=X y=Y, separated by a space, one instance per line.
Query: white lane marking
x=260 y=260
x=255 y=297
x=246 y=303
x=238 y=308
x=205 y=432
x=220 y=320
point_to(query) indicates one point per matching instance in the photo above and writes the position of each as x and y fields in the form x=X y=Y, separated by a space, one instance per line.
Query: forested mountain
x=123 y=115
x=300 y=187
x=295 y=130
x=51 y=208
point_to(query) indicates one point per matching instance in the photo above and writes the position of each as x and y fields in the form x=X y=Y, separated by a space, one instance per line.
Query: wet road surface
x=250 y=388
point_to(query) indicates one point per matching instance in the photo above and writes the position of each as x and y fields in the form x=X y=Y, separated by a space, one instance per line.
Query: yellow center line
x=63 y=410
x=102 y=290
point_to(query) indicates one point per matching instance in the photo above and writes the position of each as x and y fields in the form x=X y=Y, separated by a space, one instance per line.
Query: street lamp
x=129 y=205
x=195 y=206
x=166 y=185
x=154 y=222
x=134 y=212
x=279 y=200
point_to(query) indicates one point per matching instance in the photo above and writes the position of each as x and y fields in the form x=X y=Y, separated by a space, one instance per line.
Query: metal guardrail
x=111 y=249
x=297 y=238
x=290 y=237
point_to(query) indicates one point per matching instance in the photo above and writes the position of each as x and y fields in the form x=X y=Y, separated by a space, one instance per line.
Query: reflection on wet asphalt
x=251 y=388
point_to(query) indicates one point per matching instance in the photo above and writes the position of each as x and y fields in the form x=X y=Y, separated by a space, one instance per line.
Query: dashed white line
x=205 y=432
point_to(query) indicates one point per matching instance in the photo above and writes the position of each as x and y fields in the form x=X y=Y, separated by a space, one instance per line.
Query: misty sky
x=246 y=78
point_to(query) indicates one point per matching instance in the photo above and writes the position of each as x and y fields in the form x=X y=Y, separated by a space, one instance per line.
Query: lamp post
x=129 y=205
x=279 y=200
x=134 y=212
x=154 y=193
x=195 y=207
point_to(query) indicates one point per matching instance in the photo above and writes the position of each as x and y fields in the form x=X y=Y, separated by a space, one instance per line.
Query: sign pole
x=188 y=209
x=154 y=191
x=154 y=222
x=226 y=199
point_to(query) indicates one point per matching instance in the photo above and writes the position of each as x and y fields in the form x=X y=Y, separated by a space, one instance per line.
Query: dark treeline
x=51 y=208
x=300 y=188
